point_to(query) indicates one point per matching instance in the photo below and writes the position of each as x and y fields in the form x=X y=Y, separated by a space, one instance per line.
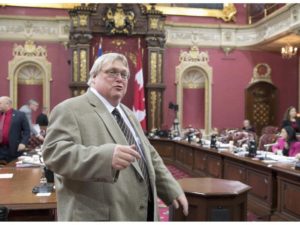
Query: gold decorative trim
x=82 y=92
x=159 y=63
x=262 y=72
x=194 y=55
x=227 y=13
x=75 y=92
x=74 y=21
x=29 y=55
x=118 y=43
x=29 y=49
x=83 y=20
x=153 y=23
x=153 y=66
x=158 y=110
x=193 y=79
x=119 y=21
x=132 y=57
x=153 y=102
x=30 y=74
x=75 y=65
x=83 y=66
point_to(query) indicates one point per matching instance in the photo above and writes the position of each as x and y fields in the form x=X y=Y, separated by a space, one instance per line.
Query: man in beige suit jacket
x=97 y=176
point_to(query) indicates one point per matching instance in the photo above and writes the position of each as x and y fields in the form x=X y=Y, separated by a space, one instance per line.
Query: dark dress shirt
x=295 y=125
x=42 y=120
x=19 y=132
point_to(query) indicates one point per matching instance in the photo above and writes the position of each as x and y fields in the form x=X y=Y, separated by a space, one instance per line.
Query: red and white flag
x=139 y=96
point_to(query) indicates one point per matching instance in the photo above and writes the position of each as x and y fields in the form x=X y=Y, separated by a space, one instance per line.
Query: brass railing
x=256 y=12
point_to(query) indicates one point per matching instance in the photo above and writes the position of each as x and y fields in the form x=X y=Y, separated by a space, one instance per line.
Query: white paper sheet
x=6 y=175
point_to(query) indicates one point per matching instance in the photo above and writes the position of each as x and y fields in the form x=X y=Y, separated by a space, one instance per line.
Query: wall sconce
x=288 y=51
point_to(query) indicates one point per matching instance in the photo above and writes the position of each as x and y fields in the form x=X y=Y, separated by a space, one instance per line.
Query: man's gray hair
x=108 y=57
x=32 y=102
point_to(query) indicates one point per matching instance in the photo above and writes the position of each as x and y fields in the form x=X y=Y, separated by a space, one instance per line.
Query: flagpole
x=139 y=99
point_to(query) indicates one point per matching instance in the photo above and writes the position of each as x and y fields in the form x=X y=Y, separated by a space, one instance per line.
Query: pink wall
x=61 y=73
x=58 y=56
x=193 y=109
x=231 y=76
x=28 y=11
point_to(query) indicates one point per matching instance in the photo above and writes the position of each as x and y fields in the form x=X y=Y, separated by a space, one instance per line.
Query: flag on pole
x=139 y=96
x=100 y=48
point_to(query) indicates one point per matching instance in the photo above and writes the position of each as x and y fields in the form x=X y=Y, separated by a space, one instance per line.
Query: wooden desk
x=212 y=199
x=275 y=188
x=16 y=194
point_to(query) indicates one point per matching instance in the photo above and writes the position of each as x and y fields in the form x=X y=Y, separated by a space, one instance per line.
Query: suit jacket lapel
x=110 y=123
x=107 y=118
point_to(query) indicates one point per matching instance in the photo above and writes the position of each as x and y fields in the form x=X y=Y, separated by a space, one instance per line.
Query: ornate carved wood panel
x=111 y=21
x=260 y=104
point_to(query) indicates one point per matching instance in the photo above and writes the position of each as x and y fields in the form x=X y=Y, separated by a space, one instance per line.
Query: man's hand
x=123 y=156
x=21 y=147
x=183 y=202
x=40 y=137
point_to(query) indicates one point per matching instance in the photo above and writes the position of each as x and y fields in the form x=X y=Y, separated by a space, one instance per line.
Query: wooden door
x=260 y=105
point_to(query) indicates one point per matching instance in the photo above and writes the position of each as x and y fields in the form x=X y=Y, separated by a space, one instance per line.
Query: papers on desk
x=43 y=194
x=29 y=161
x=270 y=157
x=224 y=145
x=6 y=175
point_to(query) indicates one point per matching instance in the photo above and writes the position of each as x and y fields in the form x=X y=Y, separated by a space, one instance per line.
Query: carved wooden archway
x=119 y=20
x=29 y=66
x=261 y=98
x=197 y=61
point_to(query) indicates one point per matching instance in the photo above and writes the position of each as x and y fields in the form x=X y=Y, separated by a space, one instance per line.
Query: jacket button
x=142 y=207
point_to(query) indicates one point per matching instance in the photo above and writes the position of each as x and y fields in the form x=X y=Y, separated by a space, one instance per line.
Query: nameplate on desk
x=6 y=175
x=47 y=194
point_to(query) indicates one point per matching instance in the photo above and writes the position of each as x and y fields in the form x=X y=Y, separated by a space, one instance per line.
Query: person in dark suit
x=14 y=130
x=42 y=118
x=290 y=119
x=103 y=173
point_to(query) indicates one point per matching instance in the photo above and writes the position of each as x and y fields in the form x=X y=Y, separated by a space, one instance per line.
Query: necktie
x=131 y=141
x=1 y=126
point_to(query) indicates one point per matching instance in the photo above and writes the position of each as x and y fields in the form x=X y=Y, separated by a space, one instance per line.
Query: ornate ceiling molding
x=283 y=21
x=35 y=28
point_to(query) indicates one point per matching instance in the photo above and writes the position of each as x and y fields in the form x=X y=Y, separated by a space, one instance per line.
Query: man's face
x=1 y=105
x=4 y=106
x=111 y=82
x=246 y=123
x=34 y=107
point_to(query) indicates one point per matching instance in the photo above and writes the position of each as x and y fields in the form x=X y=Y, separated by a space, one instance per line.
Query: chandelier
x=288 y=51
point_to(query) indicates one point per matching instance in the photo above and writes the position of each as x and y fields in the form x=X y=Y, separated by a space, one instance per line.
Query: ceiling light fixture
x=288 y=51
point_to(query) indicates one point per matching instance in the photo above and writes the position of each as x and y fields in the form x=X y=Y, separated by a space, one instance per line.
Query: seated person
x=287 y=142
x=247 y=126
x=42 y=118
x=290 y=119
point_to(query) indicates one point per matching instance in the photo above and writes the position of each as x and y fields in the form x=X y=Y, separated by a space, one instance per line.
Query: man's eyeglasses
x=115 y=73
